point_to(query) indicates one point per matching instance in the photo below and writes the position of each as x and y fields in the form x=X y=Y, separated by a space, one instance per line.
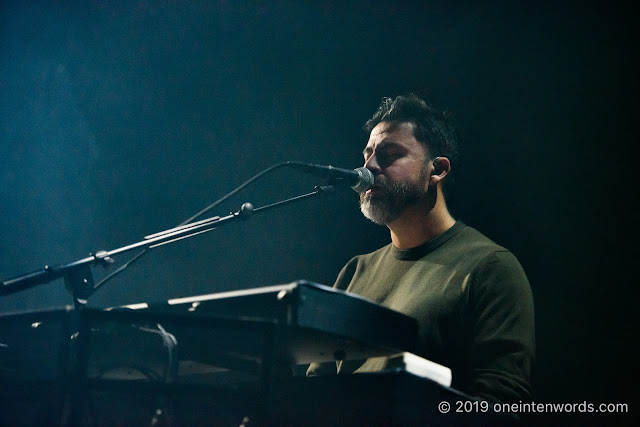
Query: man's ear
x=441 y=166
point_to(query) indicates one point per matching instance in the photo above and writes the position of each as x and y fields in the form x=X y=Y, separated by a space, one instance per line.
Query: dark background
x=118 y=119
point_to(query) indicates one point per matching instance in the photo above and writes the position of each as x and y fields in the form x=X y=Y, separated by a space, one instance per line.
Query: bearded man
x=470 y=296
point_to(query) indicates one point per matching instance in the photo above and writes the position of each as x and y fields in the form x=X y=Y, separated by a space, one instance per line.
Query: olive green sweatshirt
x=473 y=304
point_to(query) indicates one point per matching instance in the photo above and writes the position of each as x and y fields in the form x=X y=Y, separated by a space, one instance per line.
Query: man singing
x=470 y=296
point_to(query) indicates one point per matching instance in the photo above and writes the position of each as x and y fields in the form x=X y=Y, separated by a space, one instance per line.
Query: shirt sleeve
x=501 y=323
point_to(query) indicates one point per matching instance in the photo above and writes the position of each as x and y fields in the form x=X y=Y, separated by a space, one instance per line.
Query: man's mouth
x=375 y=189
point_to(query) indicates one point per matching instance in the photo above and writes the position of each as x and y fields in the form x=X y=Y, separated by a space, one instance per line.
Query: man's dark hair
x=432 y=128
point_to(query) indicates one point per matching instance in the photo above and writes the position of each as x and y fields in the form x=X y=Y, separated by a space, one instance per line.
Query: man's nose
x=372 y=164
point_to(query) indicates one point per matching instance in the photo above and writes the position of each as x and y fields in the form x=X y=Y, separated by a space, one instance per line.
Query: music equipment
x=235 y=345
x=318 y=323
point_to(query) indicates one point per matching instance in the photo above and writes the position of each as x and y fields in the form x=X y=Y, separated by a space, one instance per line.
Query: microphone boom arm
x=77 y=274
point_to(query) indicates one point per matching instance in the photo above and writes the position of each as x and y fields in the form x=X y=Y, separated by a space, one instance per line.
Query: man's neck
x=419 y=224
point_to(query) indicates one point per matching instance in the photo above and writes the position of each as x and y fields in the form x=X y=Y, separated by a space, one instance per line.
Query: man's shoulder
x=377 y=253
x=470 y=235
x=463 y=241
x=474 y=243
x=486 y=258
x=372 y=256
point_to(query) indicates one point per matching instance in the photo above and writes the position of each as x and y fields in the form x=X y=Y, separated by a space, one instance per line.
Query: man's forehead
x=387 y=130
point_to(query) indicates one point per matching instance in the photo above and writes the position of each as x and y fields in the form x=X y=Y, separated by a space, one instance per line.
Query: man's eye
x=387 y=157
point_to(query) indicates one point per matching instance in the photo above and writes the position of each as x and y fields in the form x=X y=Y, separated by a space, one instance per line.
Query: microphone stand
x=79 y=278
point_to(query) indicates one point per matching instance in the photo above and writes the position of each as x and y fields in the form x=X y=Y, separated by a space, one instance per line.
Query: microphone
x=360 y=179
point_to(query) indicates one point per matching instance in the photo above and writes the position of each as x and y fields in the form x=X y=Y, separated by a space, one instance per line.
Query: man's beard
x=392 y=200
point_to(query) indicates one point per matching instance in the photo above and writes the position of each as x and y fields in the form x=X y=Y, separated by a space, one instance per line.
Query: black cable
x=187 y=221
